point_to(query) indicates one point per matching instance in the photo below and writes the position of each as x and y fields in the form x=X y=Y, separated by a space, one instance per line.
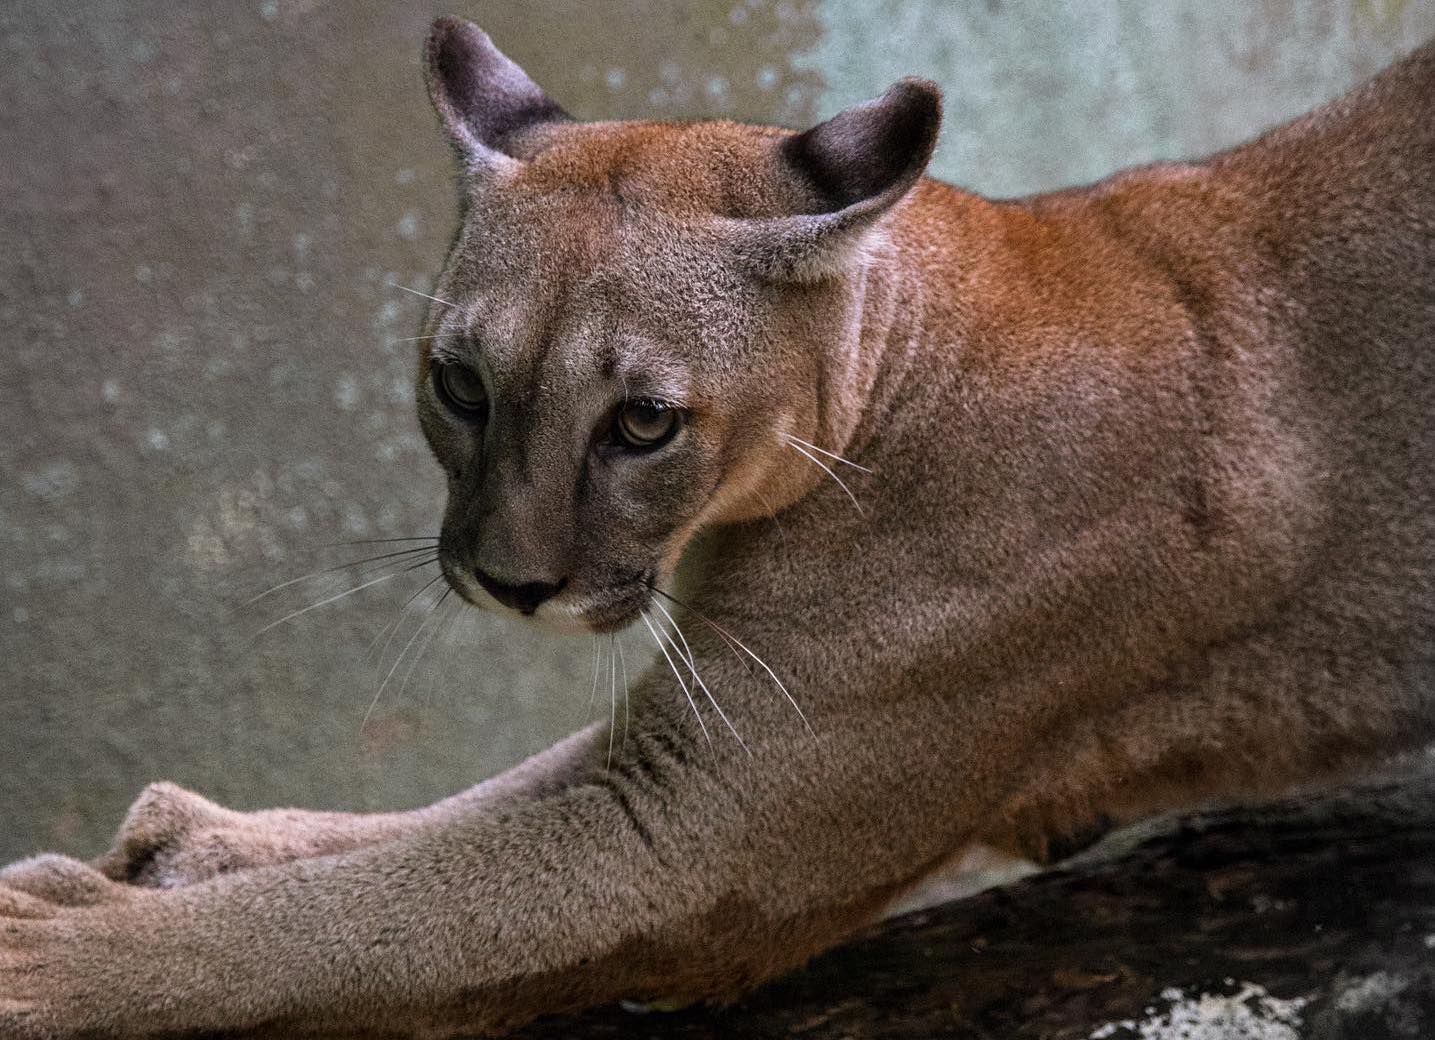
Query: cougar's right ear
x=482 y=97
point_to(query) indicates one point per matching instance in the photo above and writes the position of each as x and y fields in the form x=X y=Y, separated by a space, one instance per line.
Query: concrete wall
x=203 y=206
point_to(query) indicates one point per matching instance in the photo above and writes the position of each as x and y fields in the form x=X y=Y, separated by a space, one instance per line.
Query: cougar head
x=635 y=321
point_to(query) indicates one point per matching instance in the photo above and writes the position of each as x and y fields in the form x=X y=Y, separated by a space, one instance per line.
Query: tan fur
x=1149 y=523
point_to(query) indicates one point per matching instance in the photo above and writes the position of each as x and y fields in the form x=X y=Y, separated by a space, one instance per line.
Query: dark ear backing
x=482 y=97
x=875 y=150
x=850 y=170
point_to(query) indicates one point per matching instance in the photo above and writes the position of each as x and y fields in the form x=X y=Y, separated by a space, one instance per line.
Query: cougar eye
x=646 y=424
x=460 y=388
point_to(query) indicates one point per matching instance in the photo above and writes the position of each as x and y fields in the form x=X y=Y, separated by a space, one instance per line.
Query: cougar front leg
x=684 y=871
x=173 y=837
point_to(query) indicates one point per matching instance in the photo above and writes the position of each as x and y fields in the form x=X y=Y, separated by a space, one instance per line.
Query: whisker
x=593 y=693
x=692 y=667
x=430 y=538
x=425 y=295
x=445 y=328
x=348 y=592
x=441 y=673
x=740 y=645
x=722 y=632
x=623 y=662
x=397 y=623
x=824 y=451
x=332 y=570
x=678 y=676
x=612 y=699
x=828 y=470
x=771 y=514
x=388 y=628
x=423 y=647
x=399 y=660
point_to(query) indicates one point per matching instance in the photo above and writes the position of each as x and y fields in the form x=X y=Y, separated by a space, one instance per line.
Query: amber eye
x=646 y=424
x=461 y=389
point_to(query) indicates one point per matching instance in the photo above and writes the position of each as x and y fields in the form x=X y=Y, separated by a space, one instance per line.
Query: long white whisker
x=735 y=641
x=399 y=660
x=339 y=596
x=687 y=654
x=771 y=514
x=828 y=470
x=430 y=538
x=593 y=693
x=773 y=675
x=612 y=698
x=389 y=627
x=423 y=647
x=824 y=451
x=445 y=329
x=722 y=632
x=678 y=676
x=440 y=674
x=335 y=569
x=623 y=662
x=425 y=295
x=397 y=623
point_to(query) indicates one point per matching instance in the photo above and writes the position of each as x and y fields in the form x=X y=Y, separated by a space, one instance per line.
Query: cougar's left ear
x=847 y=172
x=482 y=97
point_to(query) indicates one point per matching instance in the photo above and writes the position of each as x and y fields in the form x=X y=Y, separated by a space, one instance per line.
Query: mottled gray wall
x=1046 y=93
x=203 y=206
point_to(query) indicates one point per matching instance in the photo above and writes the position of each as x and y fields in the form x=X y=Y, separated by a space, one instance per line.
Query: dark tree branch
x=1310 y=919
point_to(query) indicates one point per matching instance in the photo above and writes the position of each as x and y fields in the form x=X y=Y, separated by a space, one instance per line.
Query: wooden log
x=1310 y=919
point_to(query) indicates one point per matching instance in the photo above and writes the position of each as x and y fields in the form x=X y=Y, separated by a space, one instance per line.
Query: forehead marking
x=608 y=359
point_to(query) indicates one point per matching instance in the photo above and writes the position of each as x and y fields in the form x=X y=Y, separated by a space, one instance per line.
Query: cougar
x=983 y=524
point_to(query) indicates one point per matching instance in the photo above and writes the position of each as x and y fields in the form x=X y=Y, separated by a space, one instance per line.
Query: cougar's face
x=596 y=388
x=635 y=320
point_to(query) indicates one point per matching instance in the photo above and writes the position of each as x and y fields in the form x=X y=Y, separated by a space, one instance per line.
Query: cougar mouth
x=617 y=606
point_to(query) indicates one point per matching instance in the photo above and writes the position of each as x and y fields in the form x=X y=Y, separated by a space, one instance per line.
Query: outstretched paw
x=173 y=837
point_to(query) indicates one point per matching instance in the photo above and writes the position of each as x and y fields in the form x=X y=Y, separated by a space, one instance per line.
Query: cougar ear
x=849 y=171
x=482 y=97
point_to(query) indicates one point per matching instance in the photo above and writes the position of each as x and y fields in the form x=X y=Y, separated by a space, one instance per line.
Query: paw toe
x=60 y=880
x=161 y=820
x=17 y=904
x=166 y=808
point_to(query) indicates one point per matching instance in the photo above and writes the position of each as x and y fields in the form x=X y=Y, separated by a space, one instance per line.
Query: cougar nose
x=524 y=598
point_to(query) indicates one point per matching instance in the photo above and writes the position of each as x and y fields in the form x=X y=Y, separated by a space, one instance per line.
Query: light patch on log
x=1372 y=992
x=1249 y=1014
